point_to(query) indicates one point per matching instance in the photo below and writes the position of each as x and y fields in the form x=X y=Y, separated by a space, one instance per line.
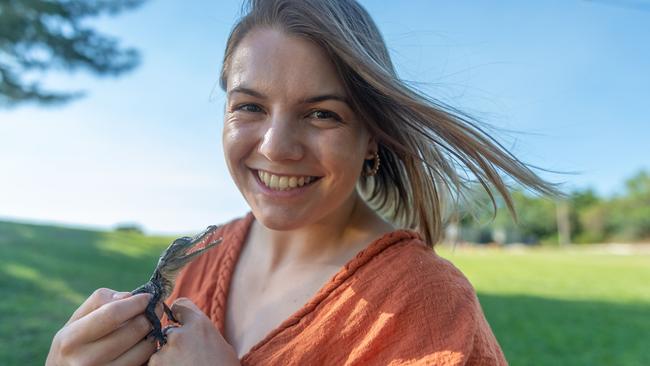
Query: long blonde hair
x=430 y=153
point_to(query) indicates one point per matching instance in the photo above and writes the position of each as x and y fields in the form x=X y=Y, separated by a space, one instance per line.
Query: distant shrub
x=129 y=228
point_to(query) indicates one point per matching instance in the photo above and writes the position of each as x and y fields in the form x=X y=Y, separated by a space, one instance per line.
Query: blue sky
x=566 y=84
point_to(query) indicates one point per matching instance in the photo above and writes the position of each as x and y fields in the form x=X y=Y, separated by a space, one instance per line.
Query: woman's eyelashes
x=318 y=114
x=248 y=107
x=324 y=115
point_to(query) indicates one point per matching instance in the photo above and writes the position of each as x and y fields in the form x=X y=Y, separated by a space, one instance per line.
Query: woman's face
x=292 y=143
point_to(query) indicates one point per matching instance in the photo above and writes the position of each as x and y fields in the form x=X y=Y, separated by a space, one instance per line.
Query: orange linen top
x=396 y=303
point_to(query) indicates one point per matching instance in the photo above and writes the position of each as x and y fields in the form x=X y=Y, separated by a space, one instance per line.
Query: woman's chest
x=257 y=305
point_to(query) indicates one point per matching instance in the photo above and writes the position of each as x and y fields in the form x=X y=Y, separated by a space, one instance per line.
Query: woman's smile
x=278 y=185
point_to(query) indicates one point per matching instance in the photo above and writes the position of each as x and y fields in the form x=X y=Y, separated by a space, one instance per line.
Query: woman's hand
x=107 y=329
x=196 y=342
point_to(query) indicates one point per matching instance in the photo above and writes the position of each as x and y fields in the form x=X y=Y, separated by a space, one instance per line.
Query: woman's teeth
x=284 y=182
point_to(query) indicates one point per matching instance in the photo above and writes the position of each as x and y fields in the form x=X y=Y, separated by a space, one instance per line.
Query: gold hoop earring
x=370 y=172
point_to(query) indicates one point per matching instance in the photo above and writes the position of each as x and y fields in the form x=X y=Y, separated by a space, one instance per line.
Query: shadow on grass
x=541 y=331
x=46 y=272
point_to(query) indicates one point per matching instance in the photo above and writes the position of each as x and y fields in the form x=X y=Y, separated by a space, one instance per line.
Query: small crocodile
x=161 y=284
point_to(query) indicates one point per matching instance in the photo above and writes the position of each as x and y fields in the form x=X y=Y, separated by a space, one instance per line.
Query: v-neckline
x=361 y=258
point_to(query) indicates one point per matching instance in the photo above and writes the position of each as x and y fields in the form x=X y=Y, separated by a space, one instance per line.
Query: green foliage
x=585 y=217
x=535 y=220
x=630 y=213
x=625 y=217
x=592 y=219
x=129 y=227
x=40 y=35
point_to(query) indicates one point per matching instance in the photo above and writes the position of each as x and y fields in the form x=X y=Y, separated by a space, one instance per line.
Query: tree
x=536 y=219
x=630 y=214
x=587 y=216
x=40 y=35
x=625 y=217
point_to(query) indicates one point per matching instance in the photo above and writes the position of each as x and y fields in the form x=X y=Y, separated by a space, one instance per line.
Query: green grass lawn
x=46 y=272
x=546 y=307
x=563 y=307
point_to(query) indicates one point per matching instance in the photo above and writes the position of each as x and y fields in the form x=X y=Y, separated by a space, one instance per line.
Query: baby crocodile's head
x=177 y=255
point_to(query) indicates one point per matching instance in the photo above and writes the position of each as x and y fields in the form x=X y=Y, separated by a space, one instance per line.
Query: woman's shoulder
x=410 y=280
x=427 y=303
x=412 y=265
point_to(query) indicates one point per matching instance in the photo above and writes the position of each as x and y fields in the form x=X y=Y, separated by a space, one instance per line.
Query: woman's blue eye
x=325 y=115
x=249 y=108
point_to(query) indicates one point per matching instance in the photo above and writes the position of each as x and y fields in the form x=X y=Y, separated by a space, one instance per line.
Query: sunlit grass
x=563 y=307
x=46 y=272
x=557 y=273
x=45 y=284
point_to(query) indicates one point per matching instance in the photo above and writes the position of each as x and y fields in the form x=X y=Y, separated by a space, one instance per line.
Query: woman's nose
x=281 y=139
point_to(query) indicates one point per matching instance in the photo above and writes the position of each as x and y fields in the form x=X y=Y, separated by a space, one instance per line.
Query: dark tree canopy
x=42 y=35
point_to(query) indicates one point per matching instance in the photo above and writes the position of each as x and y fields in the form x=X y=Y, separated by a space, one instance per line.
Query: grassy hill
x=546 y=307
x=47 y=271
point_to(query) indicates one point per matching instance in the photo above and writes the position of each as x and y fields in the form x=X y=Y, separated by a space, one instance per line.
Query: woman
x=335 y=156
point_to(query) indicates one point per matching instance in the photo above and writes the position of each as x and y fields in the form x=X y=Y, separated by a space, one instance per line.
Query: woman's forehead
x=270 y=61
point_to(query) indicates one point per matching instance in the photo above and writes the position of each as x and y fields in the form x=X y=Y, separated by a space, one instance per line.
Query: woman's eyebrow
x=245 y=90
x=314 y=99
x=324 y=97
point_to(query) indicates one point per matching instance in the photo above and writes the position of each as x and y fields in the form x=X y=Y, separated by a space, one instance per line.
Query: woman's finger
x=137 y=355
x=107 y=318
x=185 y=311
x=130 y=333
x=122 y=339
x=98 y=298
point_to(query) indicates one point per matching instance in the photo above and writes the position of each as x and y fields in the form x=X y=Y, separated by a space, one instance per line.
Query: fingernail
x=121 y=295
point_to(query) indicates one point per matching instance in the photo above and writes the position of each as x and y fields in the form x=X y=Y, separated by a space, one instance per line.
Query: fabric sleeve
x=485 y=348
x=452 y=332
x=427 y=317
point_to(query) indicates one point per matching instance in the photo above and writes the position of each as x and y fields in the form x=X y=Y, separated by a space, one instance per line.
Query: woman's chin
x=280 y=221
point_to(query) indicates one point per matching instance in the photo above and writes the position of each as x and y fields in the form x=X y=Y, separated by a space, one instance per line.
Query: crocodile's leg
x=150 y=314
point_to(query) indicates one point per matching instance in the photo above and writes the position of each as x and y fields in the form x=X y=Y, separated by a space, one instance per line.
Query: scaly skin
x=161 y=283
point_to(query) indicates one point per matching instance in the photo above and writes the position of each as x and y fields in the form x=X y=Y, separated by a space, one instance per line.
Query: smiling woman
x=346 y=171
x=287 y=121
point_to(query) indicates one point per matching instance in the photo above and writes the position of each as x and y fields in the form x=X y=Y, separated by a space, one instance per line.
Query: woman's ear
x=372 y=149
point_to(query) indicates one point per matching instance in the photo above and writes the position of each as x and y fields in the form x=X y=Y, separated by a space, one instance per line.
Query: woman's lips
x=284 y=182
x=283 y=185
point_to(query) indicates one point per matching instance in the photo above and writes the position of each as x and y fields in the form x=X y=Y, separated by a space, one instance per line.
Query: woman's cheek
x=343 y=151
x=238 y=137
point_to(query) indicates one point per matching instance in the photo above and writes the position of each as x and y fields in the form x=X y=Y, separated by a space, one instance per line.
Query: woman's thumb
x=185 y=311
